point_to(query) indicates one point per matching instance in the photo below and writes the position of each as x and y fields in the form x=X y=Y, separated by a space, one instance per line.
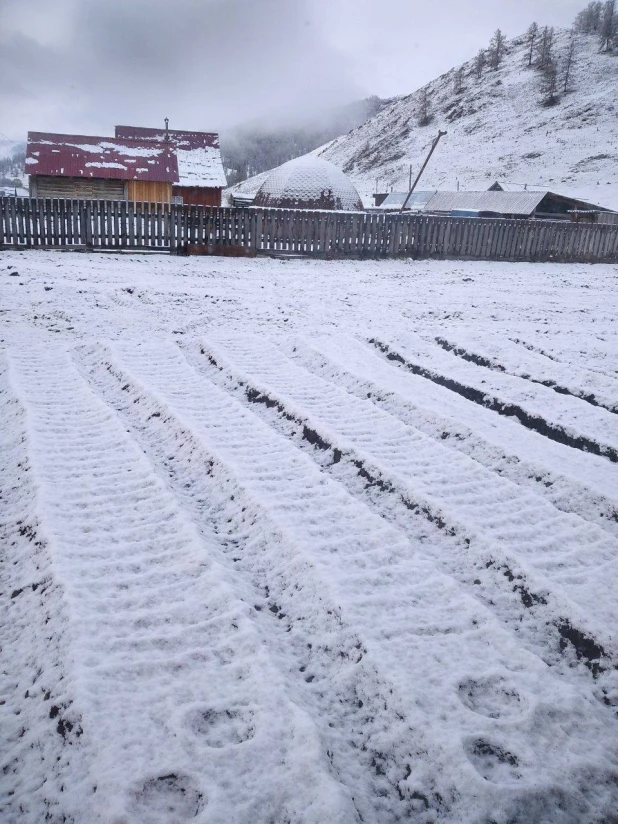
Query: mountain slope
x=498 y=129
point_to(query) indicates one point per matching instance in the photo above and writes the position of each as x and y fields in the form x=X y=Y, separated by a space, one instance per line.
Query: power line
x=8 y=139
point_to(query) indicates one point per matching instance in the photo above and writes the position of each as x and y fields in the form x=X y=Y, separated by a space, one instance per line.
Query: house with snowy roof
x=156 y=166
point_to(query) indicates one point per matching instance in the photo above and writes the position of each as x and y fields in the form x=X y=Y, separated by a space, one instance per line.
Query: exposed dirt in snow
x=299 y=541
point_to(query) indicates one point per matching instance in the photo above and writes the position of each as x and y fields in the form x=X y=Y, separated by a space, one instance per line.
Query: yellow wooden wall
x=150 y=191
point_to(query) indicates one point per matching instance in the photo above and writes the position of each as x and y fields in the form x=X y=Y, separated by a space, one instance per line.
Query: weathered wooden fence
x=99 y=224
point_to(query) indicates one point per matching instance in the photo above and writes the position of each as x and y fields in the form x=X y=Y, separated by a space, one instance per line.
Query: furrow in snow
x=414 y=623
x=587 y=352
x=43 y=749
x=366 y=735
x=586 y=485
x=512 y=528
x=172 y=679
x=503 y=356
x=566 y=420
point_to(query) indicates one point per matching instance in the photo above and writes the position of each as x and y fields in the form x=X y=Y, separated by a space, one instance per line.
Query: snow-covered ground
x=301 y=541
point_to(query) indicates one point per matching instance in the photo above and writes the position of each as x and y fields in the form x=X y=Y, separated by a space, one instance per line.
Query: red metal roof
x=66 y=155
x=179 y=139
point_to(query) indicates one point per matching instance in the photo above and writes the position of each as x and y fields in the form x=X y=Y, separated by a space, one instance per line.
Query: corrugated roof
x=178 y=137
x=513 y=187
x=65 y=155
x=506 y=203
x=417 y=201
x=198 y=153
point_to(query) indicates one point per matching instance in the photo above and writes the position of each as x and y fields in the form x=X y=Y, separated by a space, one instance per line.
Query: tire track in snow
x=172 y=677
x=367 y=735
x=406 y=614
x=557 y=473
x=599 y=439
x=575 y=359
x=531 y=548
x=503 y=360
x=43 y=750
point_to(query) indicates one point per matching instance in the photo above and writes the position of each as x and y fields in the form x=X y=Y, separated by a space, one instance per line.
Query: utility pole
x=418 y=177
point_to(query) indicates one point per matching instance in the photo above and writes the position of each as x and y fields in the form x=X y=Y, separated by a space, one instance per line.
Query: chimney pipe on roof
x=167 y=131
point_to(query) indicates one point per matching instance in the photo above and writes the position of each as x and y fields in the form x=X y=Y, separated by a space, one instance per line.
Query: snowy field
x=298 y=541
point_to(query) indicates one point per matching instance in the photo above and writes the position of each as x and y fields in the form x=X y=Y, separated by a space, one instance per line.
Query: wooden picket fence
x=110 y=225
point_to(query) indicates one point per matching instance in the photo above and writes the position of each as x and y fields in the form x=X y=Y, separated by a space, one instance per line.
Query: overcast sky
x=83 y=66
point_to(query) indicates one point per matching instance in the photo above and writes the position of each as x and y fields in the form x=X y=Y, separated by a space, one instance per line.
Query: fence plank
x=117 y=224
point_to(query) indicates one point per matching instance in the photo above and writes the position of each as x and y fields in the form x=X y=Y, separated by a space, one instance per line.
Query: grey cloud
x=204 y=64
x=84 y=65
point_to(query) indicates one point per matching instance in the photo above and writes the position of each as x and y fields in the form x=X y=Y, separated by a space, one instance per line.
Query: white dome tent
x=308 y=182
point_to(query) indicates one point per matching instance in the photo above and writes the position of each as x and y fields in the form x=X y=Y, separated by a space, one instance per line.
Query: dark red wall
x=198 y=195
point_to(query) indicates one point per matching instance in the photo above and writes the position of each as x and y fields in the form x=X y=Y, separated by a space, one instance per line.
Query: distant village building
x=151 y=165
x=519 y=205
x=308 y=182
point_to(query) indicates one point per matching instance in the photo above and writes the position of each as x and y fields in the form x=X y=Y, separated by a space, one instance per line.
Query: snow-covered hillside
x=497 y=129
x=272 y=557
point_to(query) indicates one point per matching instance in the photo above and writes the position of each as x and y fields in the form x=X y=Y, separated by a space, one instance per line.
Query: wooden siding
x=149 y=191
x=77 y=187
x=198 y=195
x=150 y=225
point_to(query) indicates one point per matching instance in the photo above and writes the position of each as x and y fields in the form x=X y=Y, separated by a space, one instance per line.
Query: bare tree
x=458 y=81
x=479 y=63
x=588 y=21
x=609 y=25
x=496 y=48
x=549 y=83
x=545 y=48
x=424 y=116
x=531 y=36
x=569 y=61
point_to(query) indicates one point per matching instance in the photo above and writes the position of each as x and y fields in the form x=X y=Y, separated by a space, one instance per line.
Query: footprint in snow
x=169 y=798
x=492 y=697
x=493 y=762
x=221 y=728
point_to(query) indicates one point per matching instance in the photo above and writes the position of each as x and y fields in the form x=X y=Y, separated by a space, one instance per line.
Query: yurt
x=308 y=182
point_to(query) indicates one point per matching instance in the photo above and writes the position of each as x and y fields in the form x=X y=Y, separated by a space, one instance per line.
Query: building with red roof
x=158 y=166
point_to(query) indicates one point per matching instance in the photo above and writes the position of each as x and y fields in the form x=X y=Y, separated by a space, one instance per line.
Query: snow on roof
x=417 y=201
x=64 y=155
x=308 y=182
x=200 y=167
x=509 y=203
x=198 y=153
x=504 y=186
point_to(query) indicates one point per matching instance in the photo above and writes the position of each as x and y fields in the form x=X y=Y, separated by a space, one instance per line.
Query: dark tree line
x=12 y=169
x=253 y=149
